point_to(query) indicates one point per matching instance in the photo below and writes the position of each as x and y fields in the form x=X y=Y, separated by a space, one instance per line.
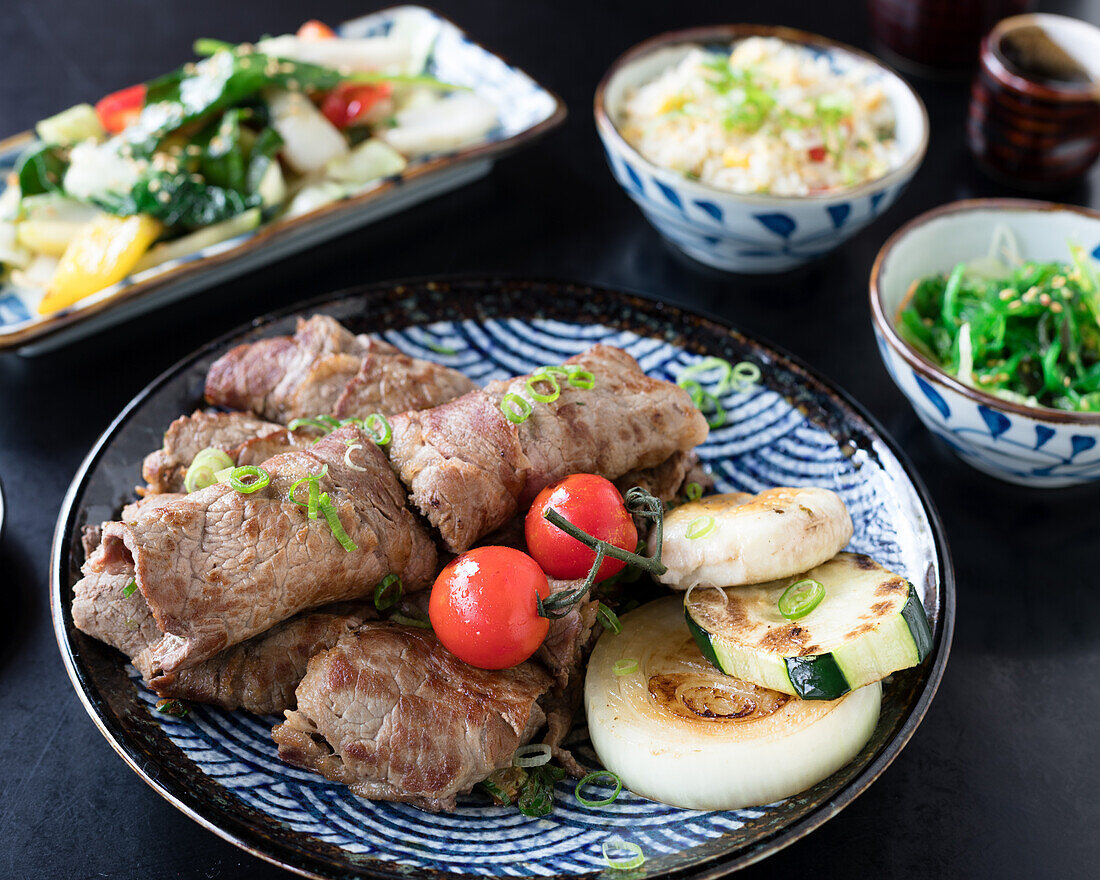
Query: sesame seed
x=189 y=68
x=1045 y=299
x=164 y=197
x=1007 y=293
x=1056 y=307
x=1066 y=381
x=1058 y=281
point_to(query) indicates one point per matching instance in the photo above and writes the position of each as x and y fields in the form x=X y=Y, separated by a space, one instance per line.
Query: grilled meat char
x=325 y=369
x=392 y=714
x=469 y=469
x=219 y=566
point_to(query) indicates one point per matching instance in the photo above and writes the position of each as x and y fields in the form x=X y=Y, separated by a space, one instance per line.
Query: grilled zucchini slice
x=870 y=623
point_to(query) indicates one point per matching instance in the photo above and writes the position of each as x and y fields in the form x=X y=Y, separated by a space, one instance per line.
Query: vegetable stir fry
x=1023 y=331
x=247 y=135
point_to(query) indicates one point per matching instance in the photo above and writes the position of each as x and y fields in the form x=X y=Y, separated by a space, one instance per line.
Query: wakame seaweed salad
x=1026 y=331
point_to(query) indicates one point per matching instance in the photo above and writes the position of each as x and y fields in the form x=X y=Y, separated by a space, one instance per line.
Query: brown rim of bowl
x=991 y=57
x=730 y=33
x=925 y=367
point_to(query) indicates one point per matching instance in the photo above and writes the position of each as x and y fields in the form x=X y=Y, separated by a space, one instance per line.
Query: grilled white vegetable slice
x=678 y=731
x=869 y=624
x=726 y=540
x=71 y=126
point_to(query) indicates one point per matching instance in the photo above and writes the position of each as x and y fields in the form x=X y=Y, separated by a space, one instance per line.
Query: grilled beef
x=392 y=714
x=218 y=566
x=233 y=433
x=323 y=367
x=469 y=469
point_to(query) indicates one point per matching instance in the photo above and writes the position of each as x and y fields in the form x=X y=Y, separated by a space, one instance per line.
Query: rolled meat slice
x=395 y=716
x=259 y=675
x=217 y=567
x=469 y=469
x=243 y=437
x=324 y=367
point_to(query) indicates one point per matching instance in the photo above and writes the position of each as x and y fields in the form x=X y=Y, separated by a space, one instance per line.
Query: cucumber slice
x=870 y=623
x=196 y=241
x=71 y=126
x=678 y=731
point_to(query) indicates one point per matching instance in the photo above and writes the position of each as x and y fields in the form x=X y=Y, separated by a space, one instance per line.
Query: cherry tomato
x=817 y=154
x=349 y=102
x=315 y=30
x=593 y=505
x=483 y=607
x=120 y=108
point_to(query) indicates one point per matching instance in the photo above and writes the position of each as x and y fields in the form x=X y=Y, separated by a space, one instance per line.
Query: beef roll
x=469 y=468
x=395 y=716
x=217 y=566
x=326 y=369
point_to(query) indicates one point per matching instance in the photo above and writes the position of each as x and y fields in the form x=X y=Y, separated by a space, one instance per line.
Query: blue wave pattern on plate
x=765 y=442
x=453 y=57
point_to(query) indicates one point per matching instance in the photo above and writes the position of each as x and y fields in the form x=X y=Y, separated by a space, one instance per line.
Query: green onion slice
x=204 y=468
x=622 y=855
x=700 y=527
x=592 y=777
x=406 y=620
x=312 y=481
x=515 y=408
x=608 y=619
x=324 y=424
x=744 y=375
x=533 y=755
x=347 y=456
x=384 y=597
x=582 y=379
x=537 y=377
x=129 y=589
x=440 y=349
x=625 y=666
x=379 y=428
x=553 y=369
x=800 y=598
x=257 y=477
x=328 y=511
x=693 y=491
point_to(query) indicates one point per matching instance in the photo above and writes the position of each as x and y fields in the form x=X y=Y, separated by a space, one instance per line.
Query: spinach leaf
x=41 y=170
x=179 y=199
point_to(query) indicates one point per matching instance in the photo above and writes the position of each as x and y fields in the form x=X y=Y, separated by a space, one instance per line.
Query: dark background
x=1000 y=780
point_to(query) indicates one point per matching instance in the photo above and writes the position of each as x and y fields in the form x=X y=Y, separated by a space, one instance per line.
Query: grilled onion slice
x=678 y=731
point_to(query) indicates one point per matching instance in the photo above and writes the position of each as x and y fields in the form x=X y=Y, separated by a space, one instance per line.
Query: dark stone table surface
x=1001 y=779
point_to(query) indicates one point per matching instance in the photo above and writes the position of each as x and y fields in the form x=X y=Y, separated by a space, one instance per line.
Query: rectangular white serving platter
x=526 y=110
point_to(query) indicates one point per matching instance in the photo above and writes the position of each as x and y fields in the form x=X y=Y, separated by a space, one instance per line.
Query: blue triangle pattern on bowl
x=997 y=422
x=782 y=225
x=1042 y=434
x=1079 y=443
x=710 y=208
x=670 y=194
x=839 y=214
x=933 y=396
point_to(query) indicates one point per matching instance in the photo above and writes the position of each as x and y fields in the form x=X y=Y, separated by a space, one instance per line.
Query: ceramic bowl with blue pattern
x=792 y=428
x=753 y=232
x=1032 y=446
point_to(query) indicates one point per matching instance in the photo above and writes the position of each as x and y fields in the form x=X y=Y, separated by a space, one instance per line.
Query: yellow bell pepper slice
x=103 y=253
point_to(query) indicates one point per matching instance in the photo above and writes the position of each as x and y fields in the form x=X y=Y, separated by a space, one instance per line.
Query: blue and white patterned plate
x=526 y=111
x=221 y=768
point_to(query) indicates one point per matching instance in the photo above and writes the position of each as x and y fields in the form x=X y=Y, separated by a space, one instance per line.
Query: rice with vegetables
x=771 y=117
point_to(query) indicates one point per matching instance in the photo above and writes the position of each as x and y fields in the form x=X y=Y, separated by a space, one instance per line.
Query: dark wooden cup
x=937 y=36
x=1030 y=123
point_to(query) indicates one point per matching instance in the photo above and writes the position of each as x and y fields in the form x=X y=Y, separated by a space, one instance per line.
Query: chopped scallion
x=257 y=478
x=129 y=589
x=204 y=468
x=532 y=755
x=608 y=619
x=625 y=666
x=543 y=397
x=379 y=428
x=700 y=527
x=800 y=598
x=515 y=408
x=693 y=491
x=591 y=778
x=622 y=855
x=388 y=592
